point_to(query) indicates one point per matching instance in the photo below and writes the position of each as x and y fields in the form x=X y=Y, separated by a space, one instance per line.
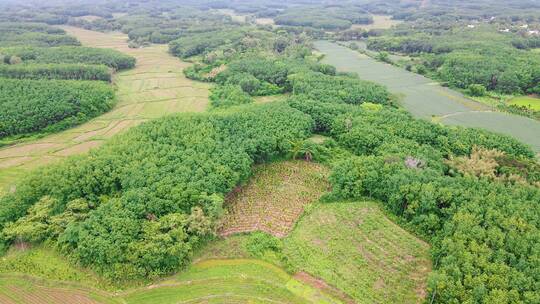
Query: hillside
x=209 y=152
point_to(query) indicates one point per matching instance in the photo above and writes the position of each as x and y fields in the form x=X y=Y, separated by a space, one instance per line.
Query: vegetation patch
x=274 y=197
x=530 y=102
x=356 y=248
x=209 y=281
x=46 y=105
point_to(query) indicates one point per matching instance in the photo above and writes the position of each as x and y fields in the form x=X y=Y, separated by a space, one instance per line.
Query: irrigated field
x=526 y=101
x=426 y=99
x=356 y=248
x=275 y=197
x=155 y=87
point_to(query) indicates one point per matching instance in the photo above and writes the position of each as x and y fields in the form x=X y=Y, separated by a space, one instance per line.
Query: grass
x=209 y=281
x=274 y=197
x=356 y=248
x=379 y=22
x=154 y=88
x=526 y=101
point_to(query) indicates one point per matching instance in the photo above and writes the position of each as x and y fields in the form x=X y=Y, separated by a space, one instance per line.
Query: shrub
x=228 y=95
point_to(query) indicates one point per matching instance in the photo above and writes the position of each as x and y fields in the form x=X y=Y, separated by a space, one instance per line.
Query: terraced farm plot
x=426 y=99
x=230 y=281
x=154 y=88
x=211 y=281
x=274 y=197
x=356 y=248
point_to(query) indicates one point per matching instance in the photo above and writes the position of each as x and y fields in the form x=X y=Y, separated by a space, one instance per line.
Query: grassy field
x=155 y=87
x=426 y=99
x=526 y=101
x=356 y=248
x=379 y=22
x=209 y=281
x=274 y=197
x=336 y=253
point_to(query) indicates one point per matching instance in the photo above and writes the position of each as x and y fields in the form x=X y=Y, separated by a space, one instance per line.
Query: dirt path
x=155 y=87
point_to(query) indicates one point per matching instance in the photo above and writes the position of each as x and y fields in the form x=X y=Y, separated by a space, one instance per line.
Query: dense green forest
x=35 y=104
x=142 y=204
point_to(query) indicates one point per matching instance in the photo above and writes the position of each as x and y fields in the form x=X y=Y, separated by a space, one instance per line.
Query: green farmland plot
x=526 y=101
x=426 y=99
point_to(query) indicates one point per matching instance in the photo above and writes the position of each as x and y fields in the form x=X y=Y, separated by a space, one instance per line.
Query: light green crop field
x=40 y=275
x=426 y=99
x=526 y=101
x=356 y=248
x=275 y=197
x=154 y=88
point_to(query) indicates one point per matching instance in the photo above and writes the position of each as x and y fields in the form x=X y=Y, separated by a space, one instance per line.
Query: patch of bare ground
x=323 y=286
x=274 y=198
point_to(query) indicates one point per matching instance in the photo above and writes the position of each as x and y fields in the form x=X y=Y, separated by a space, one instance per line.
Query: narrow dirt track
x=154 y=88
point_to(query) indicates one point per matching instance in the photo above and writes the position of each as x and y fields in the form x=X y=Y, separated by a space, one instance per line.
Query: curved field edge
x=235 y=279
x=156 y=87
x=426 y=99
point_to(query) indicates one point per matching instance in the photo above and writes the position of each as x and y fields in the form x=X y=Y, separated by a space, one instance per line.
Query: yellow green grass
x=356 y=248
x=49 y=279
x=154 y=88
x=531 y=102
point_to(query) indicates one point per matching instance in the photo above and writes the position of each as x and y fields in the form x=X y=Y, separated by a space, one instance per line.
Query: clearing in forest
x=154 y=88
x=274 y=197
x=357 y=249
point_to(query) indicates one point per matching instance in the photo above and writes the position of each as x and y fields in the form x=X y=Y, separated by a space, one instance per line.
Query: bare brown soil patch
x=274 y=198
x=323 y=286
